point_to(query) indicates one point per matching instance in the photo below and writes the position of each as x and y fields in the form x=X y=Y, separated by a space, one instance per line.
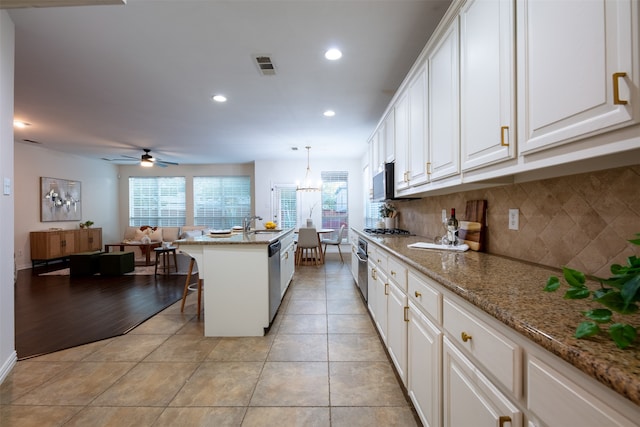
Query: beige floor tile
x=194 y=326
x=147 y=384
x=350 y=324
x=346 y=306
x=308 y=293
x=303 y=324
x=36 y=416
x=183 y=348
x=364 y=384
x=304 y=306
x=220 y=384
x=163 y=324
x=241 y=349
x=73 y=354
x=292 y=384
x=299 y=348
x=373 y=417
x=342 y=293
x=356 y=347
x=201 y=417
x=268 y=417
x=128 y=348
x=26 y=376
x=78 y=385
x=115 y=417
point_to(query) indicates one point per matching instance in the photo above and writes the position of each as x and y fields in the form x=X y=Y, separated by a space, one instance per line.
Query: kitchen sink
x=265 y=231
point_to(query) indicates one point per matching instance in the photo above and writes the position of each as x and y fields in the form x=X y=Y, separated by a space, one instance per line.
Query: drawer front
x=379 y=257
x=397 y=272
x=425 y=296
x=500 y=356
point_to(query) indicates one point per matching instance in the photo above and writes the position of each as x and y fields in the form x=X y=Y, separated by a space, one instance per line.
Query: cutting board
x=473 y=230
x=471 y=234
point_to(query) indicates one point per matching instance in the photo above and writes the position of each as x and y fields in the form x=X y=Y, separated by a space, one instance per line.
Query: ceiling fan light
x=146 y=163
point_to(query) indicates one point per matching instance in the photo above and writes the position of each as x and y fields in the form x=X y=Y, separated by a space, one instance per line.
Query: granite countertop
x=512 y=292
x=252 y=237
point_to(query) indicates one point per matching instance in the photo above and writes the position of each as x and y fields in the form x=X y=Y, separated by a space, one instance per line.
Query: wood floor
x=58 y=312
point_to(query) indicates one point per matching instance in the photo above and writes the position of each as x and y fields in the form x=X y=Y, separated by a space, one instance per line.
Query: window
x=335 y=200
x=221 y=202
x=286 y=205
x=157 y=201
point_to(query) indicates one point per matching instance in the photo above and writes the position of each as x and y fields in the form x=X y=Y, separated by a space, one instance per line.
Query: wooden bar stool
x=165 y=253
x=188 y=287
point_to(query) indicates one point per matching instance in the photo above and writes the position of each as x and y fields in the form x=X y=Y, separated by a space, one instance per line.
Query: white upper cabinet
x=417 y=172
x=401 y=111
x=444 y=116
x=577 y=69
x=487 y=101
x=389 y=137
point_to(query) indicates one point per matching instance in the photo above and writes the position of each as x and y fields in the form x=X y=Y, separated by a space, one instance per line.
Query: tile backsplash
x=581 y=221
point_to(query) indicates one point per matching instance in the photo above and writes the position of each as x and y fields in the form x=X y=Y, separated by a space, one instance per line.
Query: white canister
x=309 y=223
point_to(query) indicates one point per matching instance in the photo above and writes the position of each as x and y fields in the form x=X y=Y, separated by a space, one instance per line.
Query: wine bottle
x=452 y=228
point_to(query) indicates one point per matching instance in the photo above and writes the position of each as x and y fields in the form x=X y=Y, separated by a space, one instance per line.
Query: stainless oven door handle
x=358 y=255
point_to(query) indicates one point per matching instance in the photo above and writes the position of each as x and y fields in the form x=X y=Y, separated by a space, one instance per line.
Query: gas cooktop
x=388 y=231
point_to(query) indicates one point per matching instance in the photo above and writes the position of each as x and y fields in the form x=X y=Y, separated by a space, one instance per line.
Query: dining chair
x=334 y=242
x=308 y=246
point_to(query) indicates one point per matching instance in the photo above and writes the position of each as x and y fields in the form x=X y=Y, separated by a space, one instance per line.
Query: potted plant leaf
x=620 y=293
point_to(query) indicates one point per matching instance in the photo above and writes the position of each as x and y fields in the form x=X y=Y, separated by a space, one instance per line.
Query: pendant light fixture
x=307 y=185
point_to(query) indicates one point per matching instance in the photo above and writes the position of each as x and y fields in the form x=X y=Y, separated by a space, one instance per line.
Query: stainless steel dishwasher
x=274 y=279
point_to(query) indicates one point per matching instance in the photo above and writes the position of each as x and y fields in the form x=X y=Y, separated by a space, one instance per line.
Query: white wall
x=99 y=198
x=7 y=338
x=272 y=172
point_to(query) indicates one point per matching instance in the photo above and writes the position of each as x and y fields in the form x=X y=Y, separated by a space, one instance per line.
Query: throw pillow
x=156 y=235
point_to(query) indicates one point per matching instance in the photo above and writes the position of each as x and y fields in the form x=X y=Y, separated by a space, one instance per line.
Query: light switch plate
x=7 y=187
x=514 y=219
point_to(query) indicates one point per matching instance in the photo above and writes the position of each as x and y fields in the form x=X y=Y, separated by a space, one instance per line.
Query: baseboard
x=8 y=365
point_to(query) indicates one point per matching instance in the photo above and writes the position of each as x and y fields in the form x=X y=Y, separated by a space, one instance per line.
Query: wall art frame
x=60 y=200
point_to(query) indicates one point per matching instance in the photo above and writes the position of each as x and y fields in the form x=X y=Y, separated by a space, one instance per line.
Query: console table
x=49 y=245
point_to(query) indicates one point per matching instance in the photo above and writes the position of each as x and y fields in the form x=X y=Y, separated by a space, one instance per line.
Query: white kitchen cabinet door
x=417 y=160
x=389 y=137
x=354 y=258
x=424 y=368
x=397 y=312
x=487 y=86
x=444 y=106
x=372 y=284
x=401 y=112
x=470 y=399
x=570 y=54
x=381 y=301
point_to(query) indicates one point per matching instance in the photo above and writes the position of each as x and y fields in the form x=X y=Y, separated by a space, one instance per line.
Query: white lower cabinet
x=372 y=284
x=287 y=267
x=469 y=398
x=380 y=304
x=397 y=312
x=424 y=367
x=354 y=260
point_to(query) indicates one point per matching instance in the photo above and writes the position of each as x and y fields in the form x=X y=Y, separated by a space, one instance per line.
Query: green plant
x=87 y=224
x=387 y=210
x=619 y=293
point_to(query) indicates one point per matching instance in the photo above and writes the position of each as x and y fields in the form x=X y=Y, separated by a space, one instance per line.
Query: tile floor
x=321 y=364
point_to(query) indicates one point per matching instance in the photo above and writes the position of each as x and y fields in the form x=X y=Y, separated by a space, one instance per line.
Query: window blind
x=221 y=202
x=157 y=201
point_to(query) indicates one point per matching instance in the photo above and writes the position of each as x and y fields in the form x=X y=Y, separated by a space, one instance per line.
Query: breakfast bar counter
x=234 y=268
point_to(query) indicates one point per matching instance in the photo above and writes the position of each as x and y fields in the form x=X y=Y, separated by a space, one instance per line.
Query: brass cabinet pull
x=428 y=168
x=418 y=294
x=286 y=255
x=503 y=419
x=616 y=89
x=373 y=274
x=393 y=273
x=406 y=314
x=465 y=337
x=379 y=260
x=503 y=142
x=386 y=289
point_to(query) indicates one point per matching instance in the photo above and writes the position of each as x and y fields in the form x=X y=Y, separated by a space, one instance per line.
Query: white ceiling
x=107 y=81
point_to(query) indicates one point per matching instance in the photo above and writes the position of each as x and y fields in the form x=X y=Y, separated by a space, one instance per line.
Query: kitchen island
x=234 y=268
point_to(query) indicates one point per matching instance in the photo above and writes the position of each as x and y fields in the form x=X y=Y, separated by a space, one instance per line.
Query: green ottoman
x=84 y=263
x=116 y=263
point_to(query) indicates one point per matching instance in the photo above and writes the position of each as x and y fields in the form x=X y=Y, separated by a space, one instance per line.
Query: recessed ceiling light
x=219 y=98
x=20 y=124
x=333 y=54
x=329 y=113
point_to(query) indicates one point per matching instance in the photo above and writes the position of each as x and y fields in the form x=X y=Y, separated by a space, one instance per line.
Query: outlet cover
x=514 y=219
x=444 y=215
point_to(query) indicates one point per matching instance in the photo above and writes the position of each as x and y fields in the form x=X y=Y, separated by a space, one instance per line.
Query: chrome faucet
x=246 y=222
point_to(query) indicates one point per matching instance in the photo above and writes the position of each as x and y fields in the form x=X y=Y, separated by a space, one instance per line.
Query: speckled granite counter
x=252 y=237
x=511 y=291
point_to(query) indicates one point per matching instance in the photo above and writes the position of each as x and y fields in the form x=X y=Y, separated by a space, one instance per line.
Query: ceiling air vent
x=265 y=65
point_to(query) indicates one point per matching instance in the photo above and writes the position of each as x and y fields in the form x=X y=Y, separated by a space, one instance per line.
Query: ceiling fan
x=146 y=160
